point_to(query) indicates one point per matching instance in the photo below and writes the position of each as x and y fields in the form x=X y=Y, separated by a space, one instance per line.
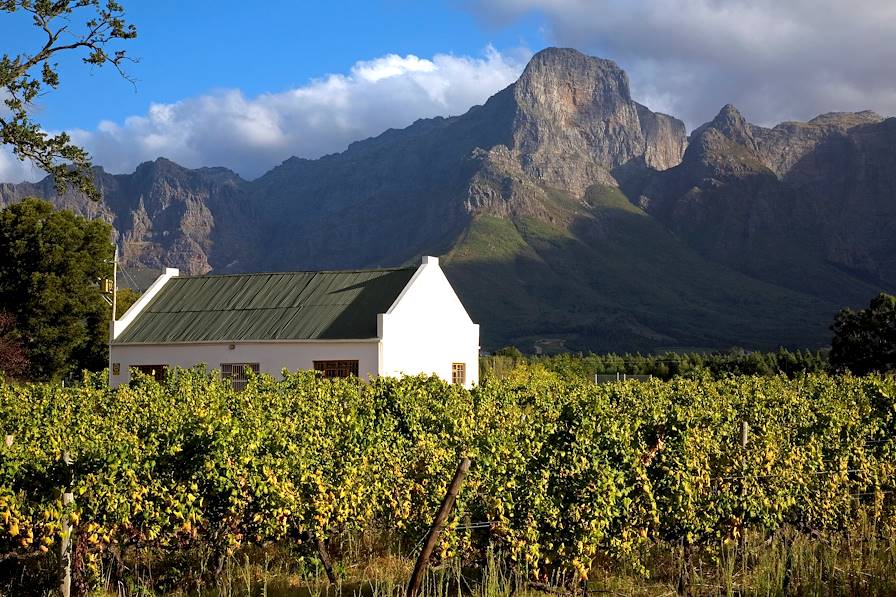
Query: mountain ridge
x=564 y=210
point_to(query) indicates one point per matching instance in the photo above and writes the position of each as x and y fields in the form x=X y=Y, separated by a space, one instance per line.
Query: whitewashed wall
x=428 y=329
x=425 y=331
x=272 y=357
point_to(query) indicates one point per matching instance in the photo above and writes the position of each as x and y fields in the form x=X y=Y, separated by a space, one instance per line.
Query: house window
x=238 y=373
x=157 y=372
x=459 y=373
x=337 y=368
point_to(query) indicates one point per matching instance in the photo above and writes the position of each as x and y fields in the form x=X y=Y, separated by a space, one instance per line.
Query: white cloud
x=253 y=134
x=774 y=59
x=14 y=170
x=11 y=168
x=391 y=66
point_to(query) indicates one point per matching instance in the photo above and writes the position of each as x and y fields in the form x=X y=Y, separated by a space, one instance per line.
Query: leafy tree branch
x=25 y=76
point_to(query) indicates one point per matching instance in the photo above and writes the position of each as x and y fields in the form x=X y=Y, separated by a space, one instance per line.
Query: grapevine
x=565 y=470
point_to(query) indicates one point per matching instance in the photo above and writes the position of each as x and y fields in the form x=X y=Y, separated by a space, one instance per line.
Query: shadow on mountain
x=614 y=279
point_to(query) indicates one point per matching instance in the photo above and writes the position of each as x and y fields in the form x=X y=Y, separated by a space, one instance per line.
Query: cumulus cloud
x=253 y=134
x=774 y=60
x=11 y=168
x=14 y=170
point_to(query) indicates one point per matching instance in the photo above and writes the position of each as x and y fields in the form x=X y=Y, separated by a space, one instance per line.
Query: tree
x=865 y=340
x=50 y=280
x=126 y=298
x=510 y=351
x=13 y=361
x=26 y=75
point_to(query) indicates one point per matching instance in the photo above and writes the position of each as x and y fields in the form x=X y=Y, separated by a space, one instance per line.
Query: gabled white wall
x=119 y=325
x=427 y=329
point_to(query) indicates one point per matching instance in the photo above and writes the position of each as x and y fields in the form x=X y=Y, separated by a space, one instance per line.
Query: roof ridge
x=316 y=271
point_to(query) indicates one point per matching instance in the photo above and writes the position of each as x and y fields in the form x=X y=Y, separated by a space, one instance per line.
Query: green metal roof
x=277 y=306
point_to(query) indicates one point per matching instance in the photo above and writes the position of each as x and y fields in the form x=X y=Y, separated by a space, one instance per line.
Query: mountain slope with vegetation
x=568 y=215
x=613 y=276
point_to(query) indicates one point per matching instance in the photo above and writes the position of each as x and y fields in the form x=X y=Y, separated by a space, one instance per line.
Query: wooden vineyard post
x=435 y=530
x=65 y=545
x=744 y=436
x=684 y=579
x=322 y=553
x=325 y=559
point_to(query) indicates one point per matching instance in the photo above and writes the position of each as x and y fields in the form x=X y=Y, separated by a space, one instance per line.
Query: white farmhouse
x=363 y=322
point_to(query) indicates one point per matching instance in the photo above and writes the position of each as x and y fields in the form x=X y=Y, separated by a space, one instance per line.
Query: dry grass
x=861 y=562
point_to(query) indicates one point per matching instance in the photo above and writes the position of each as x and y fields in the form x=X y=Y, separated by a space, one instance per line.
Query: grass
x=859 y=562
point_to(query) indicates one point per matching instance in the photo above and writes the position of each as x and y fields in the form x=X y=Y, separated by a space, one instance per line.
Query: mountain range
x=567 y=215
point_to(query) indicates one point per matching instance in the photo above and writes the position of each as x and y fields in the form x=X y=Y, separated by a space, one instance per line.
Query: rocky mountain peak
x=729 y=120
x=846 y=120
x=732 y=125
x=575 y=122
x=554 y=69
x=160 y=167
x=160 y=163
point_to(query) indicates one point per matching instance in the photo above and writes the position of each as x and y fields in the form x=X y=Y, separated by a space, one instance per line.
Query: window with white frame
x=238 y=373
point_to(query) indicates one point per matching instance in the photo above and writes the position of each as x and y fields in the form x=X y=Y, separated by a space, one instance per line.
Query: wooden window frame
x=459 y=374
x=337 y=368
x=157 y=372
x=236 y=373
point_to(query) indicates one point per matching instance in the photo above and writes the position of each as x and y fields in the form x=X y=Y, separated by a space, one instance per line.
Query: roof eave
x=271 y=341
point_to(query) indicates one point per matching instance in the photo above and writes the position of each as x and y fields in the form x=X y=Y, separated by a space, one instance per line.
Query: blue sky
x=246 y=85
x=187 y=48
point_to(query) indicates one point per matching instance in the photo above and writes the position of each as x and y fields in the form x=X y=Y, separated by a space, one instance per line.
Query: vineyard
x=566 y=477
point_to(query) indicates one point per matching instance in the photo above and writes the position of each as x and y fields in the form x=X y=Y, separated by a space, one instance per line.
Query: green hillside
x=603 y=274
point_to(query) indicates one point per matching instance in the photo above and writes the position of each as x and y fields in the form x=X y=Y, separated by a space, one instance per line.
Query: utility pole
x=114 y=305
x=114 y=281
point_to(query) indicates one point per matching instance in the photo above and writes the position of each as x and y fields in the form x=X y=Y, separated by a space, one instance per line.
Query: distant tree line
x=665 y=365
x=864 y=341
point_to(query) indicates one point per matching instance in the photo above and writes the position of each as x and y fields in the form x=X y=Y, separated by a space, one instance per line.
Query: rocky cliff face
x=784 y=146
x=798 y=205
x=848 y=186
x=164 y=215
x=740 y=235
x=576 y=123
x=568 y=123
